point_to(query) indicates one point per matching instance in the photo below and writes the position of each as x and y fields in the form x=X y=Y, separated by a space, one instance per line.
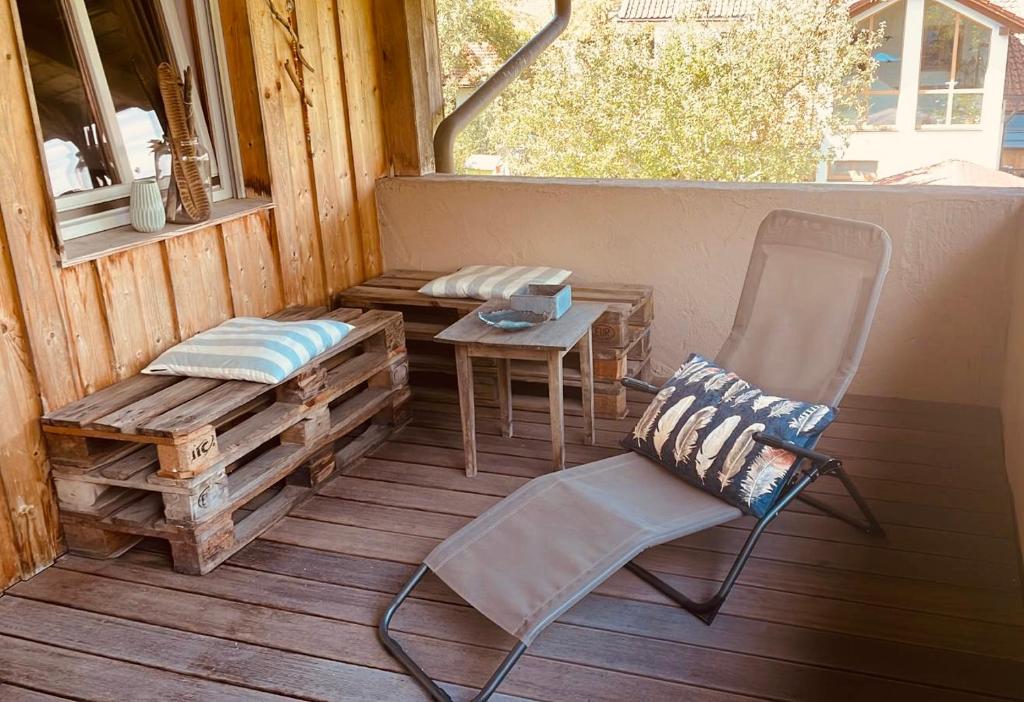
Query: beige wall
x=941 y=328
x=1013 y=390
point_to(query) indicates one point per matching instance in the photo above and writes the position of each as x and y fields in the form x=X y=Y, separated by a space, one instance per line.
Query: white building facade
x=939 y=91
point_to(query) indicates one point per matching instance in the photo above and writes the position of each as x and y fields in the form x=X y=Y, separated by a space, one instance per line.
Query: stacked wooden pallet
x=622 y=336
x=209 y=464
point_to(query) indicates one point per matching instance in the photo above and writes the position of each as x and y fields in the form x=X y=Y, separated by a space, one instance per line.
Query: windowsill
x=123 y=238
x=949 y=128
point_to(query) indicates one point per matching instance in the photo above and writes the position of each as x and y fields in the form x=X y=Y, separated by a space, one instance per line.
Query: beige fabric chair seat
x=529 y=558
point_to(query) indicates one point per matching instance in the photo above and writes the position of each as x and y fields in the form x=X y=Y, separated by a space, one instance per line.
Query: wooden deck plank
x=81 y=676
x=791 y=523
x=12 y=693
x=572 y=640
x=872 y=621
x=933 y=612
x=492 y=452
x=263 y=670
x=461 y=663
x=953 y=571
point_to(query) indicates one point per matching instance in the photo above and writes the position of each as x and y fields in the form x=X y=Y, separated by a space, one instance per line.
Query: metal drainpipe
x=450 y=126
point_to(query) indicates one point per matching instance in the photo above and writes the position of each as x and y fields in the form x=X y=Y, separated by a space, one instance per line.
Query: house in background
x=939 y=95
x=950 y=75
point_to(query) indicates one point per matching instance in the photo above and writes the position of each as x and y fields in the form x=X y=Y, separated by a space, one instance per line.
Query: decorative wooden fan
x=186 y=179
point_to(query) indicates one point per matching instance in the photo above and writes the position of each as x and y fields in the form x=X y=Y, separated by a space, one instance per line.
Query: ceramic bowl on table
x=508 y=319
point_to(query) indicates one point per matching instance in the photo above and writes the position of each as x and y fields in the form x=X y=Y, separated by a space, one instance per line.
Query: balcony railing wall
x=941 y=328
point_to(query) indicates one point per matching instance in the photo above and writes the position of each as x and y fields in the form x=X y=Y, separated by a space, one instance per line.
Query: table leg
x=464 y=371
x=556 y=409
x=586 y=350
x=505 y=395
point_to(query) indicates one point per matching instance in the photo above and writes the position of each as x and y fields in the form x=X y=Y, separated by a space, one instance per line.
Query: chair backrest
x=807 y=304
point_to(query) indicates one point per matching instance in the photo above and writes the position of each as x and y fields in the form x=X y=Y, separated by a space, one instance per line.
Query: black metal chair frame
x=705 y=610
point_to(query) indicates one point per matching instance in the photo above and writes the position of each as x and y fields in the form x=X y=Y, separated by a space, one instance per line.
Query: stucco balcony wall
x=941 y=329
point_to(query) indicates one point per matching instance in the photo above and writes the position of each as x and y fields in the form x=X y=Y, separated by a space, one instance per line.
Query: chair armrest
x=822 y=463
x=635 y=384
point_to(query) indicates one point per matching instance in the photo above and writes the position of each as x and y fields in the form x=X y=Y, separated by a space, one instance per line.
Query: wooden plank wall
x=67 y=332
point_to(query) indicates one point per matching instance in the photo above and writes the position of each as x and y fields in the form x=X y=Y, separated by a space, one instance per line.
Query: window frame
x=951 y=91
x=110 y=202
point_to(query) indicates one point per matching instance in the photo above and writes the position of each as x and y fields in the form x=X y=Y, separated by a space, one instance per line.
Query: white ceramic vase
x=146 y=206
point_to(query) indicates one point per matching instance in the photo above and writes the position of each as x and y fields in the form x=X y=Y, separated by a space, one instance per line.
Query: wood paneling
x=253 y=275
x=411 y=80
x=139 y=303
x=329 y=145
x=67 y=332
x=361 y=59
x=199 y=281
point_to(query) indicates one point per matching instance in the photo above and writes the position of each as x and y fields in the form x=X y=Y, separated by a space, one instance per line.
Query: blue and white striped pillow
x=250 y=348
x=492 y=282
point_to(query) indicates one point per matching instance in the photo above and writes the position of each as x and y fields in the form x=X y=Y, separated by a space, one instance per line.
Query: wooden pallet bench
x=209 y=464
x=622 y=336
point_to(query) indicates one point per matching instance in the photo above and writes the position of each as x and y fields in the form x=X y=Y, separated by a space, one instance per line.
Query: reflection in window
x=73 y=133
x=954 y=60
x=131 y=43
x=852 y=171
x=94 y=75
x=884 y=93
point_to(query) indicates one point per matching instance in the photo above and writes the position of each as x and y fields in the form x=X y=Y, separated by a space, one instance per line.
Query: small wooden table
x=548 y=342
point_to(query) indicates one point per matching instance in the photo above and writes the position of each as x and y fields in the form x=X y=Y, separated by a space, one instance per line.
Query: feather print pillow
x=701 y=426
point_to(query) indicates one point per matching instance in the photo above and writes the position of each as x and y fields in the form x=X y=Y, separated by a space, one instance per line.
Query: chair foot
x=420 y=675
x=705 y=611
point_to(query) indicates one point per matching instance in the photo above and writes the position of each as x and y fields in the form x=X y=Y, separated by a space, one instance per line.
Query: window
x=93 y=68
x=884 y=93
x=954 y=59
x=852 y=171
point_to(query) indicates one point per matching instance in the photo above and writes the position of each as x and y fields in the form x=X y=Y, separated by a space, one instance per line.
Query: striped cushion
x=492 y=282
x=250 y=348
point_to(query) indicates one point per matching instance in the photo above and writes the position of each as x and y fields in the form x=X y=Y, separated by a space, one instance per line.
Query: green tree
x=754 y=100
x=460 y=24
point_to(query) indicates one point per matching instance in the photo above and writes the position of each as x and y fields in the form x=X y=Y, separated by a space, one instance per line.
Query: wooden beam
x=406 y=31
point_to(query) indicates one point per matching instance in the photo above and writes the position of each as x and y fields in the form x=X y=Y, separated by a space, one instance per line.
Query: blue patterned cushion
x=250 y=348
x=701 y=426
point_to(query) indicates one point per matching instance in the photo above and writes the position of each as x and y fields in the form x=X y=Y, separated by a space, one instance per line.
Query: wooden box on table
x=209 y=464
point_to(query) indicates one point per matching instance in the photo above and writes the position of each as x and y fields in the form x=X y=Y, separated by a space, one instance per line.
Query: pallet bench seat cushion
x=250 y=348
x=492 y=282
x=532 y=556
x=702 y=426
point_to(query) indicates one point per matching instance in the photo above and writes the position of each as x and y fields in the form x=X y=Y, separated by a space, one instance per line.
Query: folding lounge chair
x=808 y=300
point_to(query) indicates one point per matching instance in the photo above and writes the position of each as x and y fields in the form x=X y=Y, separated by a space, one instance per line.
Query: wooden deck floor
x=931 y=613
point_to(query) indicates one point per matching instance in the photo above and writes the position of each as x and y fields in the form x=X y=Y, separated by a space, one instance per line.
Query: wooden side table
x=549 y=343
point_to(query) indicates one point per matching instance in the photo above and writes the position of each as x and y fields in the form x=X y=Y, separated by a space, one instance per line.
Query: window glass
x=93 y=65
x=889 y=54
x=966 y=108
x=79 y=155
x=853 y=171
x=131 y=43
x=954 y=59
x=883 y=95
x=882 y=108
x=972 y=54
x=931 y=108
x=937 y=45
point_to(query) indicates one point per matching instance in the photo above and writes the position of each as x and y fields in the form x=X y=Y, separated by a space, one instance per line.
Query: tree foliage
x=751 y=100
